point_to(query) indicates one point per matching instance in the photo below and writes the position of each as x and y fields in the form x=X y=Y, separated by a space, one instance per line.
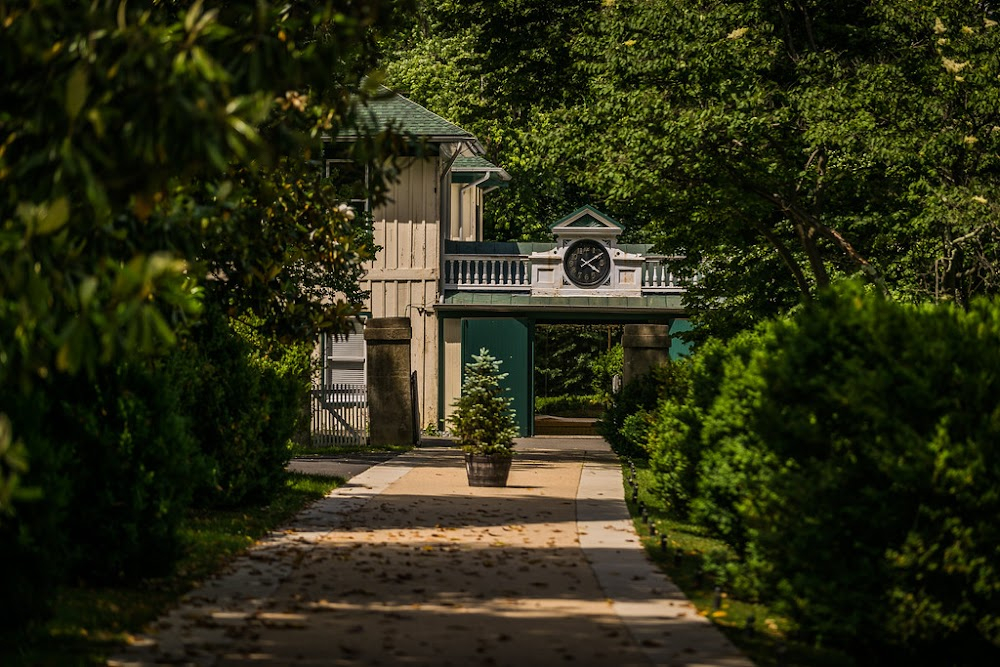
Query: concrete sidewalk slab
x=661 y=619
x=409 y=565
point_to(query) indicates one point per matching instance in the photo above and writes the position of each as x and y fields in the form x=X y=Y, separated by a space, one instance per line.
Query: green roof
x=405 y=116
x=471 y=168
x=495 y=247
x=587 y=216
x=472 y=163
x=618 y=306
x=522 y=247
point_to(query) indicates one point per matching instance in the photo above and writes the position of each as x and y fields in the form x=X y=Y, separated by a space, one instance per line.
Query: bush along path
x=698 y=563
x=845 y=458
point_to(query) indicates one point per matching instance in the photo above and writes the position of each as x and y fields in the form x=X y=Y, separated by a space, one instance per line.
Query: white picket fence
x=340 y=415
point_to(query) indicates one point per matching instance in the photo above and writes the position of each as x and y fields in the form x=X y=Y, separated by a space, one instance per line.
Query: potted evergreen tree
x=484 y=423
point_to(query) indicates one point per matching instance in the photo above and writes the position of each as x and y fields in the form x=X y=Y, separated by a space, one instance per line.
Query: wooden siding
x=404 y=280
x=415 y=195
x=466 y=222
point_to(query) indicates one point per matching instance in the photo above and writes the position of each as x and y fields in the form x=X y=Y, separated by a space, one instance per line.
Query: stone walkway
x=408 y=565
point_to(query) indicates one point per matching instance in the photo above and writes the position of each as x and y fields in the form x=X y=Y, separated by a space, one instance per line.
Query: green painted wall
x=679 y=348
x=511 y=341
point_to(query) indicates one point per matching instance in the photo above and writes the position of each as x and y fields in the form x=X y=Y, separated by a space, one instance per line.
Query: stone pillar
x=390 y=406
x=644 y=346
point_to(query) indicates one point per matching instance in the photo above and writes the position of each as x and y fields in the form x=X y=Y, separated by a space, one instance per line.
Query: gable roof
x=407 y=117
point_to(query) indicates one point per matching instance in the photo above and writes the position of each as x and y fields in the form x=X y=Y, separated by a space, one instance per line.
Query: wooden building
x=461 y=292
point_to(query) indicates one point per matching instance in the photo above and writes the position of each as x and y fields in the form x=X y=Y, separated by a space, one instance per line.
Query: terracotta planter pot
x=487 y=469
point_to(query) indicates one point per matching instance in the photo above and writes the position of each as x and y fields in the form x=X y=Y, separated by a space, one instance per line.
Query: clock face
x=587 y=263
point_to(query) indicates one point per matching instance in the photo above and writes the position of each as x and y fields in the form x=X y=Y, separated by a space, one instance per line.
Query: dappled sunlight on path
x=407 y=564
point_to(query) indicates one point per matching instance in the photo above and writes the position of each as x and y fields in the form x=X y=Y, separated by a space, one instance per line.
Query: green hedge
x=120 y=456
x=33 y=545
x=626 y=422
x=569 y=406
x=849 y=455
x=244 y=395
x=134 y=466
x=116 y=462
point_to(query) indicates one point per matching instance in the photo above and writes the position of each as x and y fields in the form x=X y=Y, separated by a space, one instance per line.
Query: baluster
x=497 y=269
x=465 y=271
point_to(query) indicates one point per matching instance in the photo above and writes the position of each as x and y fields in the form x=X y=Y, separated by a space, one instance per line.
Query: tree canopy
x=155 y=156
x=780 y=144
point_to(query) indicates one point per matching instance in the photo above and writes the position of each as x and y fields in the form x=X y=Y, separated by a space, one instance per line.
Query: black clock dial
x=587 y=263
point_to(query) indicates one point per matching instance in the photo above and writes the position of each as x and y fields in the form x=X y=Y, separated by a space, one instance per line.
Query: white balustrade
x=658 y=275
x=512 y=273
x=508 y=273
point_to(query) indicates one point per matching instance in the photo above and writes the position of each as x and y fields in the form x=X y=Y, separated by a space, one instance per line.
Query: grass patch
x=90 y=623
x=317 y=451
x=679 y=549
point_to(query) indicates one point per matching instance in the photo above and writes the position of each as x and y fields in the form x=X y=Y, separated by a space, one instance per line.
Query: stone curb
x=663 y=622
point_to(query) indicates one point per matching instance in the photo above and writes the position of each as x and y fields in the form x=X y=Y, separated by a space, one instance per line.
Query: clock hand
x=587 y=263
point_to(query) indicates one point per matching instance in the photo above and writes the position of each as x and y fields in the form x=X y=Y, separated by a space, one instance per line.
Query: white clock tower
x=586 y=260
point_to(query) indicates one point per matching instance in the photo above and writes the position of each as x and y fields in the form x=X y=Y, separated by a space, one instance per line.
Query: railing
x=510 y=273
x=340 y=415
x=658 y=275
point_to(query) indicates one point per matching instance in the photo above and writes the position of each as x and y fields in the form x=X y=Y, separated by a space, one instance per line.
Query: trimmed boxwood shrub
x=120 y=456
x=879 y=523
x=33 y=544
x=115 y=461
x=133 y=469
x=627 y=419
x=849 y=454
x=244 y=393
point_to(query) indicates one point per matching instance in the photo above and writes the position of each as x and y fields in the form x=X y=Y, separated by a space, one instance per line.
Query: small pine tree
x=483 y=420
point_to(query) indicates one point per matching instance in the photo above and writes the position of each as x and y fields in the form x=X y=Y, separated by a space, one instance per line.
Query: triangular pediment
x=589 y=218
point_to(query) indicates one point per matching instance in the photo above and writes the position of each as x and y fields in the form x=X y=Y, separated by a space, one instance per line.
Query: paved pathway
x=408 y=565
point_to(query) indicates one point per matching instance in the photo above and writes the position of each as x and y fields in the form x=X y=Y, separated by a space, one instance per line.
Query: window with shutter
x=344 y=358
